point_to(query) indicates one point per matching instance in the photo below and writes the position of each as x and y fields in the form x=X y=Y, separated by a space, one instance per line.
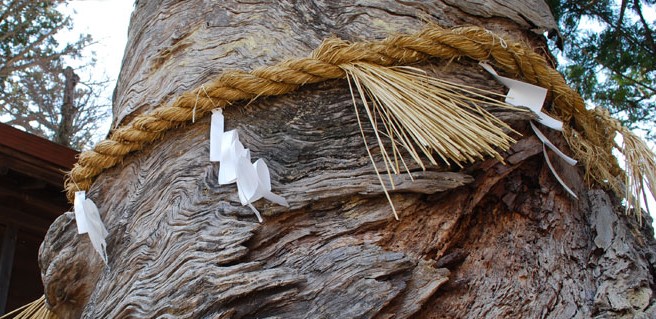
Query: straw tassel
x=639 y=164
x=426 y=116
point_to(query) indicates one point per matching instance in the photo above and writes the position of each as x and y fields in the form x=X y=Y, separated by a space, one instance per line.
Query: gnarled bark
x=490 y=240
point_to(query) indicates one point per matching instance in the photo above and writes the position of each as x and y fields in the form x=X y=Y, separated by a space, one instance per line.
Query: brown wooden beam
x=30 y=166
x=37 y=147
x=31 y=204
x=6 y=263
x=36 y=225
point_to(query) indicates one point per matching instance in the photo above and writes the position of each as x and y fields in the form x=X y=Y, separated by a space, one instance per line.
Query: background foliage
x=32 y=65
x=612 y=56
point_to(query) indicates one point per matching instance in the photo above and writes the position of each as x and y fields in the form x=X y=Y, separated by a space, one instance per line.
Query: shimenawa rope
x=589 y=135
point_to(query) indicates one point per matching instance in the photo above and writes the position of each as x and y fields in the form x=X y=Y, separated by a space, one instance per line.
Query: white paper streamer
x=216 y=132
x=253 y=179
x=553 y=171
x=527 y=95
x=547 y=142
x=88 y=221
x=532 y=96
x=231 y=152
x=254 y=183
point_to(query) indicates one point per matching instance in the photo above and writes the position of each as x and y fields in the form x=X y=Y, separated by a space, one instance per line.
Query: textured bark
x=490 y=240
x=65 y=129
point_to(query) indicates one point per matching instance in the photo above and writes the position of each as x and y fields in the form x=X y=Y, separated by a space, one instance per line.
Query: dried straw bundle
x=35 y=310
x=639 y=164
x=423 y=114
x=638 y=158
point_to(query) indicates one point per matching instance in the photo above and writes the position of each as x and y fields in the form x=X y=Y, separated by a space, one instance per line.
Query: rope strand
x=587 y=136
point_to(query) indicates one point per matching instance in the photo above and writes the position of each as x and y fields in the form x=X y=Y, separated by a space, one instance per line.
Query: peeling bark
x=491 y=240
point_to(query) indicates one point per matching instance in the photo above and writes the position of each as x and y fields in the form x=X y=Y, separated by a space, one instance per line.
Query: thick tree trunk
x=490 y=241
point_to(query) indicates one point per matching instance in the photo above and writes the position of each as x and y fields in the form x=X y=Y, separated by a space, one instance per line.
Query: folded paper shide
x=253 y=179
x=532 y=96
x=527 y=95
x=88 y=222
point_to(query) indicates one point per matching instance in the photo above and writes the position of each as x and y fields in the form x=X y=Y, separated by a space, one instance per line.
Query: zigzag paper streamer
x=88 y=221
x=253 y=179
x=532 y=96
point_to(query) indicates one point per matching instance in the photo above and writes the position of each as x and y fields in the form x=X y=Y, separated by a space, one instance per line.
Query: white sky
x=107 y=21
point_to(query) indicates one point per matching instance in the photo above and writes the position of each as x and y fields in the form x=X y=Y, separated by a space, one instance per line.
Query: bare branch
x=616 y=72
x=10 y=9
x=621 y=18
x=648 y=32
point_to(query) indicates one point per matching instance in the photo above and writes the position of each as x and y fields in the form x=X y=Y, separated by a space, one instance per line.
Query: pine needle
x=427 y=117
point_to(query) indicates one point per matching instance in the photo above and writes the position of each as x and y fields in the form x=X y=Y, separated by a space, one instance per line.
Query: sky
x=107 y=21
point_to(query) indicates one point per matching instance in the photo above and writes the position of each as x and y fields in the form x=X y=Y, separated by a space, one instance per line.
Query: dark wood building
x=31 y=197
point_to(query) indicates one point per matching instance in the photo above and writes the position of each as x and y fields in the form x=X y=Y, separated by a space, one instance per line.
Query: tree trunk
x=491 y=240
x=65 y=127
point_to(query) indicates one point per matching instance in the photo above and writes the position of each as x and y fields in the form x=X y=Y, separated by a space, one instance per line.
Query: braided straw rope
x=589 y=135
